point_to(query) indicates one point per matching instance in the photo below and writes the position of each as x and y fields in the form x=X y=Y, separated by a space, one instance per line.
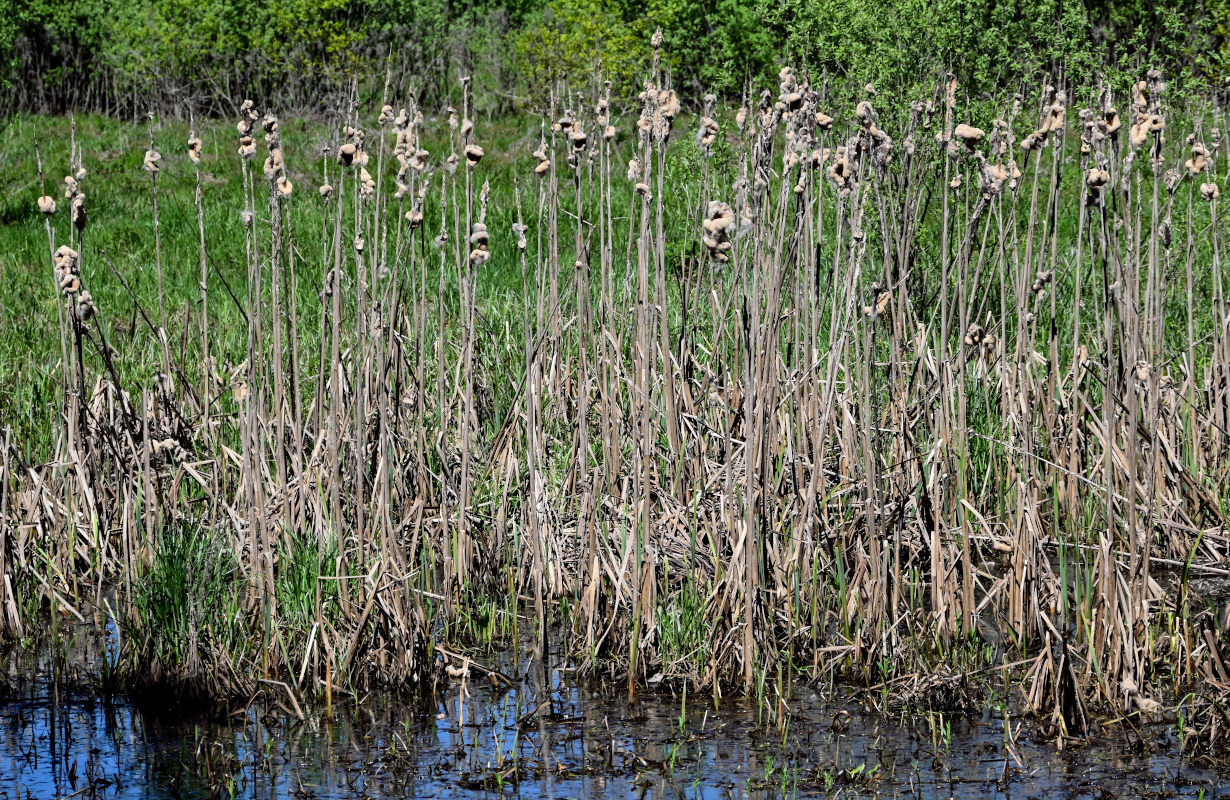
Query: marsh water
x=545 y=735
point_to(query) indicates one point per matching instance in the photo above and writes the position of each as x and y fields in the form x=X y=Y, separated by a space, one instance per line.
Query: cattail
x=1209 y=191
x=719 y=220
x=70 y=187
x=1033 y=141
x=247 y=148
x=240 y=391
x=974 y=335
x=326 y=191
x=474 y=154
x=1041 y=282
x=346 y=154
x=450 y=163
x=879 y=301
x=415 y=217
x=578 y=139
x=85 y=307
x=285 y=187
x=359 y=244
x=386 y=114
x=1097 y=178
x=247 y=218
x=78 y=211
x=273 y=163
x=707 y=134
x=840 y=172
x=823 y=121
x=151 y=161
x=519 y=230
x=643 y=190
x=1111 y=118
x=866 y=114
x=65 y=259
x=47 y=205
x=194 y=149
x=1199 y=161
x=741 y=119
x=970 y=136
x=991 y=177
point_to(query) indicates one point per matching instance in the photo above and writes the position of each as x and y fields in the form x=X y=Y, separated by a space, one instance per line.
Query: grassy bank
x=787 y=390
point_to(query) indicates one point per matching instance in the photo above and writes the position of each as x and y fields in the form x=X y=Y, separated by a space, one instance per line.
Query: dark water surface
x=545 y=737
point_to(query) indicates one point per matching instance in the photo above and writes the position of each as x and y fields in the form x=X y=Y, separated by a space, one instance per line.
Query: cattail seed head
x=70 y=187
x=194 y=149
x=247 y=148
x=346 y=154
x=474 y=154
x=326 y=191
x=47 y=205
x=285 y=187
x=1042 y=282
x=85 y=307
x=151 y=161
x=78 y=211
x=1199 y=161
x=970 y=136
x=1209 y=191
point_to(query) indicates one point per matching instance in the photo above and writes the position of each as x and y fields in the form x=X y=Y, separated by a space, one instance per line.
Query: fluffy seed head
x=47 y=205
x=970 y=136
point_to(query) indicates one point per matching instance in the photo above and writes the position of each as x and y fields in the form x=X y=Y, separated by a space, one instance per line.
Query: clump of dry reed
x=893 y=402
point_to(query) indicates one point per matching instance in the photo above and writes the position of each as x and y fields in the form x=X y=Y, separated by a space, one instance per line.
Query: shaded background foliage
x=129 y=56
